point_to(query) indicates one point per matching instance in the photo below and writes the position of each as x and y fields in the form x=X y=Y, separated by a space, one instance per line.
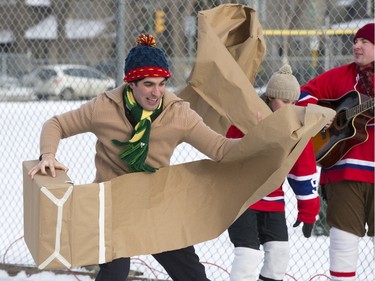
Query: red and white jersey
x=358 y=163
x=303 y=178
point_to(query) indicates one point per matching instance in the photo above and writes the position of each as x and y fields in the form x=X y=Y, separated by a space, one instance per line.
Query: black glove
x=306 y=228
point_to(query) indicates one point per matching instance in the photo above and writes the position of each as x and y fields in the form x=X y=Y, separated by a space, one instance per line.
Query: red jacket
x=358 y=163
x=303 y=178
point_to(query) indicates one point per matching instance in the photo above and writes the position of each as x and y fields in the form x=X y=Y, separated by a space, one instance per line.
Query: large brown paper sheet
x=190 y=203
x=176 y=207
x=230 y=50
x=180 y=205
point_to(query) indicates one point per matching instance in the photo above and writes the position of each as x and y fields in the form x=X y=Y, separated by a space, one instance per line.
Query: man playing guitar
x=349 y=182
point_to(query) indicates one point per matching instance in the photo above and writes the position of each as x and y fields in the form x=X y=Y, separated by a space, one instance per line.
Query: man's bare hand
x=48 y=161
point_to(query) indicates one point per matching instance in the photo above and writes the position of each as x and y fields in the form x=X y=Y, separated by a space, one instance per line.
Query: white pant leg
x=343 y=254
x=276 y=259
x=245 y=264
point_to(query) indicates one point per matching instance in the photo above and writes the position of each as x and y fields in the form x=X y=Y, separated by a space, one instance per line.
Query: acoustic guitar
x=348 y=129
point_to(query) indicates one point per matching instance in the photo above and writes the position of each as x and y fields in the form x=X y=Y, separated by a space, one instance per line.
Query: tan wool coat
x=105 y=117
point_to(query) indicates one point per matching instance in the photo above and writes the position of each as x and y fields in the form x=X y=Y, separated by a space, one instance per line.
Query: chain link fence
x=94 y=35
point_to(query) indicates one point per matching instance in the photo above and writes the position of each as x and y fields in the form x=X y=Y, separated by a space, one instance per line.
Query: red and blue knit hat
x=145 y=60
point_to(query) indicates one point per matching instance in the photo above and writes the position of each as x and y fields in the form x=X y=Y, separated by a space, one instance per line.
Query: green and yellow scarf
x=136 y=149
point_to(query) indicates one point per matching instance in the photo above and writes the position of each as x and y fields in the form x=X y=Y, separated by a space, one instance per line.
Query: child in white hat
x=264 y=222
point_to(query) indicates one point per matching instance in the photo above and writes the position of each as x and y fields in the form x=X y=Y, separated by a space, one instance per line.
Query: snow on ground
x=44 y=276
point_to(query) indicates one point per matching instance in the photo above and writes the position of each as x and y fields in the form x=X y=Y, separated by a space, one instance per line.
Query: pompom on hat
x=145 y=60
x=365 y=32
x=283 y=85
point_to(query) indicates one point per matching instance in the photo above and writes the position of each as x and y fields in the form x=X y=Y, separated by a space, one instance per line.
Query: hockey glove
x=306 y=228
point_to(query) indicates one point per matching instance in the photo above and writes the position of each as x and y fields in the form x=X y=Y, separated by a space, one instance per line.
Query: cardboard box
x=56 y=213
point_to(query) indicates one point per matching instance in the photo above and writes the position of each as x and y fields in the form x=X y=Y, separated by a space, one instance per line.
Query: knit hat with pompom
x=283 y=85
x=145 y=60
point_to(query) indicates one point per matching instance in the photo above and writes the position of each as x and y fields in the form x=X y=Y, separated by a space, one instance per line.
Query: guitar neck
x=360 y=108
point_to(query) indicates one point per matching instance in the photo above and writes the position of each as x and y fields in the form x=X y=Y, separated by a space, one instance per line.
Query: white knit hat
x=283 y=85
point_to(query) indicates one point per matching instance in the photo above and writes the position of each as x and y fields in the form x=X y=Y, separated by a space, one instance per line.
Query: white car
x=70 y=82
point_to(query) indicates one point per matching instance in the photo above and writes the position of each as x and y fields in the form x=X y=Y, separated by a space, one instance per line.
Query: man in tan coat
x=138 y=125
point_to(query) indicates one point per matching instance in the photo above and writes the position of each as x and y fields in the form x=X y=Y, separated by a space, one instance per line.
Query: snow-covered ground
x=19 y=140
x=43 y=276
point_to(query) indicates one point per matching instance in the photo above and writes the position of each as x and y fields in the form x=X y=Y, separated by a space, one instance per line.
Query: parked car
x=12 y=90
x=30 y=78
x=108 y=67
x=68 y=82
x=8 y=81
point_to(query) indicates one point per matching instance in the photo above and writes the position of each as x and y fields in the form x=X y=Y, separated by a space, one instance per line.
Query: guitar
x=348 y=129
